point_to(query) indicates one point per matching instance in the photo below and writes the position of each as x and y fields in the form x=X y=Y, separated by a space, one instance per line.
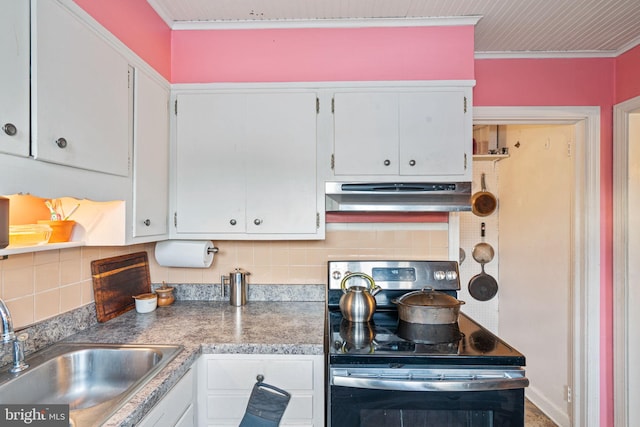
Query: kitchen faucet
x=8 y=335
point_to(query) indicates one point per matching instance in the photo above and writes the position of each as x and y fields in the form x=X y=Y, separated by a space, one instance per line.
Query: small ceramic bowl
x=146 y=303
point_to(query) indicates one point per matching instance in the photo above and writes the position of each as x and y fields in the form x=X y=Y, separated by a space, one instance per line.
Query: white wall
x=535 y=237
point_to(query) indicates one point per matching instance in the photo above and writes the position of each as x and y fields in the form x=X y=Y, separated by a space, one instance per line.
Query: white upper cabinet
x=14 y=84
x=81 y=94
x=245 y=165
x=403 y=134
x=151 y=157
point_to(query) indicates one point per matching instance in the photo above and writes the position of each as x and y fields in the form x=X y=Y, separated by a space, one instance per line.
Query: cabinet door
x=246 y=163
x=150 y=157
x=281 y=163
x=176 y=408
x=210 y=163
x=227 y=381
x=80 y=94
x=433 y=136
x=366 y=133
x=14 y=84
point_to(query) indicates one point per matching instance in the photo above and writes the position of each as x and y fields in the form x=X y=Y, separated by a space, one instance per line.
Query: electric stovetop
x=387 y=340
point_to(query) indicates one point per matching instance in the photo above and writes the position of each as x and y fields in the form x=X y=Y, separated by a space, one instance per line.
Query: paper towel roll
x=185 y=253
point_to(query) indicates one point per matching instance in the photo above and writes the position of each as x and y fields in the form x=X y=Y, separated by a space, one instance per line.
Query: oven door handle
x=426 y=385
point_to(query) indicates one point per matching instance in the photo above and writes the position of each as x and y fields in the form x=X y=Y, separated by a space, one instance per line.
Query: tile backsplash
x=39 y=285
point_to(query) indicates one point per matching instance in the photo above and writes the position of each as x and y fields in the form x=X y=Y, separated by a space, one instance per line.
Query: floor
x=534 y=417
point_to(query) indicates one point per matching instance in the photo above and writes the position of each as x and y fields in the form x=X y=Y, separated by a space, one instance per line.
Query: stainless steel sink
x=94 y=379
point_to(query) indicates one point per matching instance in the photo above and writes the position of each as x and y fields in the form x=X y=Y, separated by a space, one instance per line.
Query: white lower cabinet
x=176 y=409
x=226 y=380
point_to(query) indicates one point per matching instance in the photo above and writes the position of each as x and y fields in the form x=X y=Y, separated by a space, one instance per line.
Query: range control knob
x=336 y=275
x=439 y=275
x=452 y=275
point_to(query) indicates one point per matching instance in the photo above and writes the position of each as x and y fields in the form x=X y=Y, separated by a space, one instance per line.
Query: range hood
x=398 y=196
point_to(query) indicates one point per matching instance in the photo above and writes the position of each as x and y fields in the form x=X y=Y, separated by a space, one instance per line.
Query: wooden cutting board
x=116 y=280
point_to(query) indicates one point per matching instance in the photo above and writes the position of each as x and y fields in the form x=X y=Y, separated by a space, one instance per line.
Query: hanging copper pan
x=483 y=203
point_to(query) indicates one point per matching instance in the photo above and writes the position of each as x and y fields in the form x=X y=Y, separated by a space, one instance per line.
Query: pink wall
x=138 y=26
x=628 y=75
x=418 y=53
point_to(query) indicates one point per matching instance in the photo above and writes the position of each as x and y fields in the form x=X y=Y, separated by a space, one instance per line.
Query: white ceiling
x=523 y=27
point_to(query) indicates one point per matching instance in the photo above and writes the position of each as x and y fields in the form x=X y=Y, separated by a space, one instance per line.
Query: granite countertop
x=209 y=327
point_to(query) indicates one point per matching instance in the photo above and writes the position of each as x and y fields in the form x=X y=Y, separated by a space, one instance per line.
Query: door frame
x=621 y=113
x=585 y=292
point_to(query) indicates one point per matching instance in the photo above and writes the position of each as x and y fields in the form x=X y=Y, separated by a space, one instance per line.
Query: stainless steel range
x=390 y=373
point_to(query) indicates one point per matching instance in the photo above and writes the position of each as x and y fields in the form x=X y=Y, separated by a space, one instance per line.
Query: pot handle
x=372 y=285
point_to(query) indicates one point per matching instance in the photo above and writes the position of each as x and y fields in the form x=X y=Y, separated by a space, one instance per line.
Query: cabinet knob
x=257 y=221
x=233 y=222
x=147 y=222
x=412 y=162
x=260 y=378
x=387 y=162
x=10 y=129
x=61 y=143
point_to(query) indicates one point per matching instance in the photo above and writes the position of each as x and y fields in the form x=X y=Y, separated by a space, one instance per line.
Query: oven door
x=426 y=397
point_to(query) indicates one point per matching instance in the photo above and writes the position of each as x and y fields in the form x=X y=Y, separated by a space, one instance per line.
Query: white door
x=633 y=266
x=280 y=153
x=433 y=133
x=80 y=94
x=535 y=240
x=150 y=157
x=366 y=133
x=210 y=164
x=14 y=85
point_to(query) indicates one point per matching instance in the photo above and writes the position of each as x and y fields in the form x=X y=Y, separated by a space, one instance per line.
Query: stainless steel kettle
x=358 y=303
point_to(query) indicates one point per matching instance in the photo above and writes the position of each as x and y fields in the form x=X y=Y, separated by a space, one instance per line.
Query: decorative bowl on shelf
x=29 y=234
x=61 y=230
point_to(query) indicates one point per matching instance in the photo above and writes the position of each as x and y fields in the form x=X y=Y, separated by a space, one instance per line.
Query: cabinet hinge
x=317 y=105
x=175 y=107
x=175 y=219
x=128 y=79
x=317 y=220
x=333 y=161
x=465 y=104
x=333 y=105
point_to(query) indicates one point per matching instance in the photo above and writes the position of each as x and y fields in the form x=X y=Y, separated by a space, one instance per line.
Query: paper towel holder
x=185 y=253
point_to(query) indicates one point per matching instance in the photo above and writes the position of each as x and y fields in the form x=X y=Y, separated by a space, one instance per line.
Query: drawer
x=224 y=406
x=241 y=374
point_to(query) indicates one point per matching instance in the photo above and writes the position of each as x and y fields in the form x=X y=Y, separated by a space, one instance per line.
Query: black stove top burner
x=387 y=340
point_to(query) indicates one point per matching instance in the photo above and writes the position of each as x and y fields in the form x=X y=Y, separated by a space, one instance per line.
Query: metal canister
x=237 y=280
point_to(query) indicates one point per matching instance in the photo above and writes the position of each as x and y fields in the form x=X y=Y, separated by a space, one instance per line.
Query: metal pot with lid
x=428 y=307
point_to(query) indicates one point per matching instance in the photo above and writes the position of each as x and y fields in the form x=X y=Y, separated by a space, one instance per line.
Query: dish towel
x=266 y=406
